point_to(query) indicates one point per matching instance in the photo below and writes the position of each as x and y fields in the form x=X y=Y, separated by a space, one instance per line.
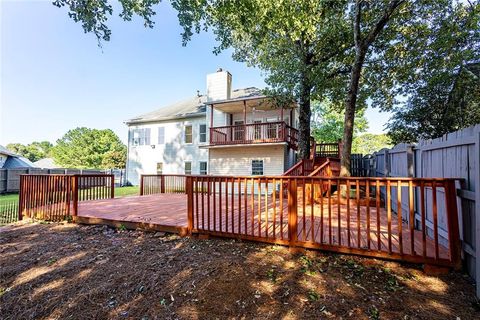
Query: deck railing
x=267 y=132
x=377 y=219
x=56 y=197
x=328 y=150
x=162 y=183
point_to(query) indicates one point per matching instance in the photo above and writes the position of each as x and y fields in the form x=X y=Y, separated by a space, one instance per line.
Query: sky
x=54 y=77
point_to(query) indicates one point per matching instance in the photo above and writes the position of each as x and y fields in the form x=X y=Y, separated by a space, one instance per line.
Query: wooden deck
x=159 y=212
x=168 y=213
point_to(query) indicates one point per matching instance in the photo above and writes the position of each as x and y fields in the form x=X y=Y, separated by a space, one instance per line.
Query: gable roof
x=192 y=107
x=6 y=152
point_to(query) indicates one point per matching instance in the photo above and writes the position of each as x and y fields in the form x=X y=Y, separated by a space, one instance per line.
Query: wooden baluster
x=377 y=207
x=322 y=183
x=252 y=203
x=399 y=216
x=367 y=195
x=435 y=218
x=232 y=192
x=245 y=199
x=259 y=202
x=214 y=204
x=274 y=200
x=348 y=212
x=423 y=219
x=312 y=210
x=239 y=195
x=266 y=208
x=304 y=224
x=329 y=194
x=389 y=216
x=292 y=211
x=411 y=217
x=339 y=213
x=359 y=222
x=281 y=208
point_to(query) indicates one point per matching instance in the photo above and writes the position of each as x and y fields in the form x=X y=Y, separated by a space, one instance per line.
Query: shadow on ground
x=67 y=271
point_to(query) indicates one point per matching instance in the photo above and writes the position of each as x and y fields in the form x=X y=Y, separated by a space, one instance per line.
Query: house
x=10 y=160
x=224 y=132
x=46 y=163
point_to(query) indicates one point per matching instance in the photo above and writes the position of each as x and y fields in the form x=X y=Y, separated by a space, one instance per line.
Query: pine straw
x=66 y=271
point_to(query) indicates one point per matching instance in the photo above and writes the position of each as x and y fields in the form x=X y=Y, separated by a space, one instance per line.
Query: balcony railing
x=268 y=132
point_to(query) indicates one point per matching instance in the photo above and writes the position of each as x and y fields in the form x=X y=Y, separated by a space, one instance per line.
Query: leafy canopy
x=90 y=149
x=33 y=151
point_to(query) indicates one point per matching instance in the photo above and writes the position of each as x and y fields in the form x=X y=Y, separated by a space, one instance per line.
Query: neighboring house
x=224 y=132
x=46 y=163
x=10 y=160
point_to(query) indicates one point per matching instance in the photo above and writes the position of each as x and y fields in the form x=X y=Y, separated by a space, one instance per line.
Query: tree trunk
x=304 y=116
x=350 y=108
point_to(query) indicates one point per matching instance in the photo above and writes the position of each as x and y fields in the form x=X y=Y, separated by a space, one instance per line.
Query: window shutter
x=161 y=135
x=147 y=136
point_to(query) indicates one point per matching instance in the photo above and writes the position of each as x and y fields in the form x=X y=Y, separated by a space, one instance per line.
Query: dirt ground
x=67 y=271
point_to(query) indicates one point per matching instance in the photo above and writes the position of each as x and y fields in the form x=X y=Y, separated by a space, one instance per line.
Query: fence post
x=477 y=208
x=386 y=163
x=112 y=186
x=410 y=161
x=20 y=198
x=75 y=194
x=141 y=184
x=189 y=189
x=292 y=211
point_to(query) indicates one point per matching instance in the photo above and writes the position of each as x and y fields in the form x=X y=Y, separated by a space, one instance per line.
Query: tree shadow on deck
x=70 y=271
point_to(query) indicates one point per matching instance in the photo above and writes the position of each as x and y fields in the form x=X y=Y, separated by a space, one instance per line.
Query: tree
x=291 y=41
x=369 y=143
x=328 y=122
x=90 y=149
x=33 y=151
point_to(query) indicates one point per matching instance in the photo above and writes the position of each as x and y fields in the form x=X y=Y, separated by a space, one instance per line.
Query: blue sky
x=54 y=77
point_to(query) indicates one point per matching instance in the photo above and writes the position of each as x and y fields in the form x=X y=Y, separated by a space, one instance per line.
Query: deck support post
x=75 y=195
x=112 y=186
x=189 y=190
x=141 y=184
x=292 y=211
x=455 y=246
x=20 y=198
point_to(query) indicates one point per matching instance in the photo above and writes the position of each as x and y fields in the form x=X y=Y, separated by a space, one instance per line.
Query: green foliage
x=328 y=122
x=90 y=148
x=447 y=104
x=369 y=143
x=33 y=151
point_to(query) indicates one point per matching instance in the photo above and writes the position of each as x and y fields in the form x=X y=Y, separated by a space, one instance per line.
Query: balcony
x=254 y=133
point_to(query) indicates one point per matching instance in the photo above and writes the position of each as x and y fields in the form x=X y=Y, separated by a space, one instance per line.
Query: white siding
x=173 y=154
x=238 y=160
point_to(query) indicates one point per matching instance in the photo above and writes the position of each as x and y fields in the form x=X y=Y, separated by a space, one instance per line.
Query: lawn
x=9 y=197
x=92 y=272
x=127 y=191
x=119 y=192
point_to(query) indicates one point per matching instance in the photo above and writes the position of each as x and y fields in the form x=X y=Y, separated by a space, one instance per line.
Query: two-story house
x=224 y=132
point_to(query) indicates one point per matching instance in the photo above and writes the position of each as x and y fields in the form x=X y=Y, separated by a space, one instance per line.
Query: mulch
x=68 y=271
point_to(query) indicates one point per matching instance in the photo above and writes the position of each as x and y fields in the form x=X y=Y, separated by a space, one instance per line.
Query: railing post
x=162 y=184
x=292 y=211
x=141 y=184
x=189 y=191
x=20 y=198
x=112 y=186
x=75 y=194
x=455 y=246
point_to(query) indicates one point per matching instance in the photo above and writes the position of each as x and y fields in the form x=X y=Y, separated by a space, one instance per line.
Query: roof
x=46 y=163
x=5 y=151
x=192 y=107
x=17 y=162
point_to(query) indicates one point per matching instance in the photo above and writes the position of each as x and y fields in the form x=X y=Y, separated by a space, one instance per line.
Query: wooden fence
x=456 y=154
x=10 y=178
x=285 y=210
x=56 y=197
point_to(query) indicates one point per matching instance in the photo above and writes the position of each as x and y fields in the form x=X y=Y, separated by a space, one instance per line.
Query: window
x=188 y=134
x=257 y=167
x=140 y=137
x=161 y=135
x=203 y=133
x=159 y=167
x=203 y=167
x=188 y=167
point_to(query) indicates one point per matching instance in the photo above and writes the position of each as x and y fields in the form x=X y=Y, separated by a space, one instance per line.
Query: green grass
x=9 y=197
x=127 y=191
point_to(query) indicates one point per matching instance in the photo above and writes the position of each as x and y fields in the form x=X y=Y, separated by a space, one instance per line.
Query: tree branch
x=394 y=4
